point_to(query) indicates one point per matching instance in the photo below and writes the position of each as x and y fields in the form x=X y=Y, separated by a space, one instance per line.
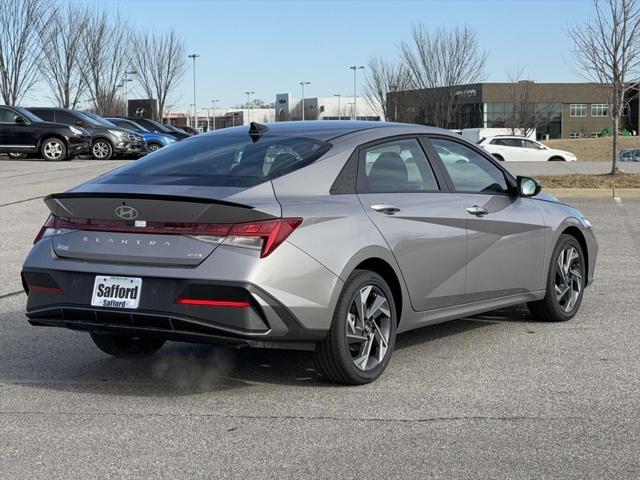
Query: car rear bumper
x=63 y=299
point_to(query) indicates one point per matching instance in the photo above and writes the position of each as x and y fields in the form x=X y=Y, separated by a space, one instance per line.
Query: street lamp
x=248 y=94
x=355 y=69
x=339 y=96
x=192 y=106
x=193 y=56
x=213 y=105
x=302 y=84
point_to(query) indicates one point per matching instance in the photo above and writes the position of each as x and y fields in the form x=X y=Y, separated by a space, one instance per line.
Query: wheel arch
x=576 y=233
x=387 y=272
x=102 y=137
x=49 y=135
x=556 y=158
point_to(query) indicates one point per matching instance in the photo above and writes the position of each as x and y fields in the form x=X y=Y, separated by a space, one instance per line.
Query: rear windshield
x=222 y=160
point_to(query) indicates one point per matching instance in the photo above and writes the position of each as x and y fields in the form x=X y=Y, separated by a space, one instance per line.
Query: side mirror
x=20 y=120
x=528 y=187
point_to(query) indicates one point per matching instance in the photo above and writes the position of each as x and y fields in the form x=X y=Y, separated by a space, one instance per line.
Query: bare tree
x=381 y=78
x=522 y=119
x=61 y=44
x=106 y=45
x=445 y=58
x=21 y=22
x=607 y=51
x=160 y=60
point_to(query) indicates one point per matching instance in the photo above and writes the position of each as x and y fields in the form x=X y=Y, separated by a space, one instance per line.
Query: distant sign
x=472 y=92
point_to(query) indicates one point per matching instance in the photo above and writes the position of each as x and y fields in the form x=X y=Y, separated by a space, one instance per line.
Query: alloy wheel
x=52 y=150
x=152 y=148
x=368 y=328
x=100 y=150
x=568 y=278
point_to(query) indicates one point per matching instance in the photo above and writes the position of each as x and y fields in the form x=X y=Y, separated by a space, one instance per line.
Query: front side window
x=599 y=110
x=578 y=110
x=7 y=116
x=474 y=173
x=531 y=144
x=397 y=166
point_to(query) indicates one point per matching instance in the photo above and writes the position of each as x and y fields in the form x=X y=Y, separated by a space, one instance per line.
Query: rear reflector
x=212 y=303
x=39 y=288
x=265 y=234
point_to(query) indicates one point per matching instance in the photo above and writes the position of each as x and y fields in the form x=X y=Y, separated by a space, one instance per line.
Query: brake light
x=40 y=288
x=48 y=225
x=271 y=233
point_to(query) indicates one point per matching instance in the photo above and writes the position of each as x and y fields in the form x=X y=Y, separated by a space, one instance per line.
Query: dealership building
x=335 y=107
x=562 y=110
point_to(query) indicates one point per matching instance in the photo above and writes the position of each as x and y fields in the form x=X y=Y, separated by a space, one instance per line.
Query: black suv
x=106 y=140
x=156 y=127
x=22 y=132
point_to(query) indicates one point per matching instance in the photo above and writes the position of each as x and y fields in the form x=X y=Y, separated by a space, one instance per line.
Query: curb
x=594 y=192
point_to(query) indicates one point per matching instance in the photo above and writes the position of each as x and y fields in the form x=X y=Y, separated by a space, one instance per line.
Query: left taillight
x=45 y=229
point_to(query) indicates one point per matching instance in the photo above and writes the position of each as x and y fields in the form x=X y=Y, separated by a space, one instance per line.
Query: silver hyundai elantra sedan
x=327 y=236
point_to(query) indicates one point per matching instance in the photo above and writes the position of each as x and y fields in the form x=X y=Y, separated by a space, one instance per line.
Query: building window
x=599 y=110
x=578 y=110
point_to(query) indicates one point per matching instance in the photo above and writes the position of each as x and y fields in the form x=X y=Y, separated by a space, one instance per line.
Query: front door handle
x=477 y=210
x=385 y=208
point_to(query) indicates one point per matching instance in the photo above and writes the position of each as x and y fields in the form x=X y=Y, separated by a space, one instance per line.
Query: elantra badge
x=126 y=212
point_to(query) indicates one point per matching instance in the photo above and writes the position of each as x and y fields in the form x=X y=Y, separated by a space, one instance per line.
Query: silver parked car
x=330 y=236
x=629 y=155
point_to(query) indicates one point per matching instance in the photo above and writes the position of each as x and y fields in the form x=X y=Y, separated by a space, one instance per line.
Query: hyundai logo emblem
x=126 y=212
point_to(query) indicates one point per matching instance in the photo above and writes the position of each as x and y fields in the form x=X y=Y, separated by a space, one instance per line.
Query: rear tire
x=152 y=147
x=358 y=347
x=17 y=156
x=126 y=347
x=53 y=150
x=498 y=157
x=565 y=284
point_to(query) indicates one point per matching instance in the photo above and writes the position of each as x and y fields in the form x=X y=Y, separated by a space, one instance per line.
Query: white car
x=520 y=149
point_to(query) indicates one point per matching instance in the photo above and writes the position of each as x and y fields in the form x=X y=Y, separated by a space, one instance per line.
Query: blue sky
x=270 y=46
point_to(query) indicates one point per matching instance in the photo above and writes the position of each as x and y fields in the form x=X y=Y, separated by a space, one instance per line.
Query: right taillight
x=266 y=234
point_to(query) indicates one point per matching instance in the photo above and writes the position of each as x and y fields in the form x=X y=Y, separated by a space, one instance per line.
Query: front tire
x=360 y=341
x=500 y=158
x=17 y=156
x=556 y=159
x=53 y=150
x=565 y=283
x=101 y=150
x=126 y=347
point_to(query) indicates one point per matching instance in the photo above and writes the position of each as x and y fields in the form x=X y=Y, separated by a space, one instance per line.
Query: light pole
x=355 y=69
x=126 y=79
x=195 y=114
x=339 y=96
x=213 y=105
x=248 y=94
x=192 y=105
x=302 y=84
x=394 y=89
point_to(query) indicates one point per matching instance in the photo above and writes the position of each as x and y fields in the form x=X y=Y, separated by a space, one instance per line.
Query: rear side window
x=396 y=166
x=46 y=115
x=222 y=160
x=471 y=172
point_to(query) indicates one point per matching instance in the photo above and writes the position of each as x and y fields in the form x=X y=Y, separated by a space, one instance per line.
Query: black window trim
x=361 y=186
x=510 y=180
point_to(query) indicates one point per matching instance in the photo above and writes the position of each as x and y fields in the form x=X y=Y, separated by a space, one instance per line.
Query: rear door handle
x=477 y=210
x=385 y=208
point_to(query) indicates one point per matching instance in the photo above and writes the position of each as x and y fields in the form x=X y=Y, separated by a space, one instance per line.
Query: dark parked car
x=106 y=141
x=22 y=132
x=156 y=127
x=187 y=129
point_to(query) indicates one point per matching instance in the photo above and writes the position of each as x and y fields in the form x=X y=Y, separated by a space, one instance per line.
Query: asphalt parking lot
x=496 y=396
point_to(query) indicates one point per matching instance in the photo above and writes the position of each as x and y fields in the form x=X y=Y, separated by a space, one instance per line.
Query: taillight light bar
x=269 y=234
